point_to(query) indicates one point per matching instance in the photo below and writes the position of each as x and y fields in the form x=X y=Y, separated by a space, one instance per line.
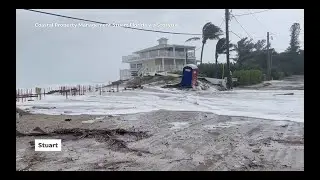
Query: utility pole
x=187 y=57
x=229 y=80
x=271 y=57
x=271 y=62
x=268 y=59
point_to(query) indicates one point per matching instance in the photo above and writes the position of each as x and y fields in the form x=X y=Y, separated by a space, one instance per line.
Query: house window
x=132 y=65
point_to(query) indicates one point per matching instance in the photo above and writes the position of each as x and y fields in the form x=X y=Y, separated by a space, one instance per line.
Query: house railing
x=159 y=68
x=159 y=54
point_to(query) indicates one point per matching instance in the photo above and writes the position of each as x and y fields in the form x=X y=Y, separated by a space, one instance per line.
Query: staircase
x=141 y=71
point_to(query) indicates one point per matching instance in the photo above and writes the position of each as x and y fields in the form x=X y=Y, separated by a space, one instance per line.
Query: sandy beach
x=159 y=90
x=162 y=141
x=158 y=129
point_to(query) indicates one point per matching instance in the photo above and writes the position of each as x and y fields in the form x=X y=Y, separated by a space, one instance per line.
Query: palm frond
x=211 y=31
x=193 y=39
x=221 y=47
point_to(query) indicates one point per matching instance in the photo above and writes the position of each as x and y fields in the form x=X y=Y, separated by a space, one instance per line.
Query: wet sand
x=162 y=141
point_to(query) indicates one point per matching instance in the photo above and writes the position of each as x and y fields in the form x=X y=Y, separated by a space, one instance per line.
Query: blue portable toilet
x=189 y=75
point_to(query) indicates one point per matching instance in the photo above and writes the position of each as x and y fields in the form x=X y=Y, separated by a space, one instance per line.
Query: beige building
x=163 y=57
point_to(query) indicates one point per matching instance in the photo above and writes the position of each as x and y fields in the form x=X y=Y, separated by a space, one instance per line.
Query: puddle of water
x=179 y=125
x=100 y=118
x=88 y=122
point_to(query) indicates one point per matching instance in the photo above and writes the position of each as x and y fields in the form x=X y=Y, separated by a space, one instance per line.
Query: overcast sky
x=59 y=55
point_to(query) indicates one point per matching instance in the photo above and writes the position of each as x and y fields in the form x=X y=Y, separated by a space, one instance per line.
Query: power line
x=262 y=23
x=140 y=29
x=252 y=13
x=242 y=27
x=259 y=20
x=222 y=22
x=235 y=34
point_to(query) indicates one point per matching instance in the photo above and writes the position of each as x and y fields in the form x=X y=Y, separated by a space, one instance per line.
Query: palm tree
x=221 y=48
x=193 y=39
x=209 y=31
x=244 y=49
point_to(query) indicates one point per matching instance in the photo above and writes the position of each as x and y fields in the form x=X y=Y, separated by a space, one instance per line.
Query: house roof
x=162 y=39
x=161 y=46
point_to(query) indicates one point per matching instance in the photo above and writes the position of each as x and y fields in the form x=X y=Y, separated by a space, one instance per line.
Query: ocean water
x=252 y=103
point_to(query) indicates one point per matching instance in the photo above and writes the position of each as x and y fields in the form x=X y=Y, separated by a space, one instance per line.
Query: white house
x=163 y=57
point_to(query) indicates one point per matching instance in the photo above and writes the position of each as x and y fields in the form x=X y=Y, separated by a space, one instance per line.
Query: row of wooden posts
x=76 y=90
x=30 y=94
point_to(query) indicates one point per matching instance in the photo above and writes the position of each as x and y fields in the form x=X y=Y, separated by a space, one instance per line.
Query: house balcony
x=157 y=54
x=155 y=69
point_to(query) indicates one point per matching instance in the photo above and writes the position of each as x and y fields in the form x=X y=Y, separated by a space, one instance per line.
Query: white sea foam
x=251 y=103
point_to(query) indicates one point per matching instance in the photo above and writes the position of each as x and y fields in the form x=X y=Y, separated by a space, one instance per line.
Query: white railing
x=134 y=69
x=128 y=58
x=171 y=68
x=160 y=54
x=152 y=70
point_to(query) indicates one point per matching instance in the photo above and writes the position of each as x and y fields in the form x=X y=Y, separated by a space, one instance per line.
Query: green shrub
x=248 y=77
x=277 y=75
x=287 y=74
x=255 y=76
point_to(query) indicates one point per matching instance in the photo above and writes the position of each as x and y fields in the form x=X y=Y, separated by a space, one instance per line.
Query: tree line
x=252 y=55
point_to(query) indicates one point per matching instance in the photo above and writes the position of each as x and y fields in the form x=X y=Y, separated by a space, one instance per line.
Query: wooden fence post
x=36 y=92
x=44 y=93
x=65 y=90
x=24 y=95
x=18 y=94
